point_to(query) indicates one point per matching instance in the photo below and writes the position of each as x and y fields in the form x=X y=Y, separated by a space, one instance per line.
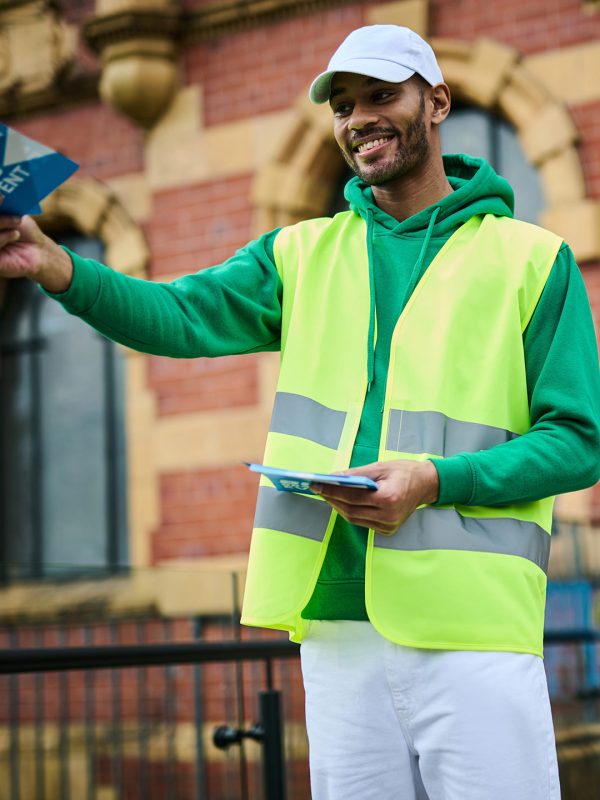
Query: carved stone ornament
x=36 y=47
x=137 y=45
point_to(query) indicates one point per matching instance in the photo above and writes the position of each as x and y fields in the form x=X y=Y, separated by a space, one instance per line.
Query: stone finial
x=136 y=40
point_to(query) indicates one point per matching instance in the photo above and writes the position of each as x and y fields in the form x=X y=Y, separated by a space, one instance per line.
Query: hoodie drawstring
x=414 y=279
x=371 y=334
x=417 y=270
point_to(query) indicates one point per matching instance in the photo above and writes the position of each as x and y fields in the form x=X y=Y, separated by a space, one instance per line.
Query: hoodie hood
x=477 y=190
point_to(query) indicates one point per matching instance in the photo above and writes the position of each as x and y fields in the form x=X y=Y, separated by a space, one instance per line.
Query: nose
x=363 y=116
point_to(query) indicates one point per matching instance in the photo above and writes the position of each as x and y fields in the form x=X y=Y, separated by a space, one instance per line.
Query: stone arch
x=301 y=177
x=93 y=209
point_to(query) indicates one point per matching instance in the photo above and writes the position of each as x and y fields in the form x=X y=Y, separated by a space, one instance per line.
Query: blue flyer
x=287 y=480
x=28 y=172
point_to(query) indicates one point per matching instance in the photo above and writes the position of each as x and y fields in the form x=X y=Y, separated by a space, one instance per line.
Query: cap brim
x=320 y=88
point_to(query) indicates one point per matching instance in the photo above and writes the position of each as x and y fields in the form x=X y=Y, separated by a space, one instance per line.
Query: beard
x=412 y=148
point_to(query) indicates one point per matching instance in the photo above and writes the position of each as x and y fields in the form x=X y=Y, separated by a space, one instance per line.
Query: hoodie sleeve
x=561 y=451
x=228 y=309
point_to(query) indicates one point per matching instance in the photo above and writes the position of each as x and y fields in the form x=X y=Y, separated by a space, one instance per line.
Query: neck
x=410 y=193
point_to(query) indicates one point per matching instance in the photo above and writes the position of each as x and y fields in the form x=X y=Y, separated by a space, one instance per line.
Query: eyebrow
x=342 y=89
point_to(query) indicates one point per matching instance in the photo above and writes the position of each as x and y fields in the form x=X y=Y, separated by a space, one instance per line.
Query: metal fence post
x=273 y=760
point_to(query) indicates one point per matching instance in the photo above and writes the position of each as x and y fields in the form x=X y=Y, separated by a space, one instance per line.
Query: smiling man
x=428 y=341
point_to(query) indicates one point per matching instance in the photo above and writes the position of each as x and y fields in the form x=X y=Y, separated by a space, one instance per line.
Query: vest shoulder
x=526 y=230
x=311 y=229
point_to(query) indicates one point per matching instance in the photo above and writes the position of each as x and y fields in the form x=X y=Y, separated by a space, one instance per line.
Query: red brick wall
x=529 y=26
x=102 y=141
x=276 y=73
x=277 y=62
x=200 y=225
x=202 y=384
x=205 y=512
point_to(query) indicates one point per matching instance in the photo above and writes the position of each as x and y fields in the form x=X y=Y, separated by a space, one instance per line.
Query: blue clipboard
x=289 y=480
x=28 y=172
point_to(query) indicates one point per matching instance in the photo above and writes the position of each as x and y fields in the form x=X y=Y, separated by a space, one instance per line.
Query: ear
x=440 y=98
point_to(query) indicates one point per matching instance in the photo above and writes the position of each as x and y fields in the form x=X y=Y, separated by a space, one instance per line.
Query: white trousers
x=387 y=722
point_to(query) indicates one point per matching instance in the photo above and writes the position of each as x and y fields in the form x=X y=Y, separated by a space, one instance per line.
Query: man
x=434 y=344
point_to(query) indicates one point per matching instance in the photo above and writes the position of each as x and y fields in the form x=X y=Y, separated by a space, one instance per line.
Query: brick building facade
x=194 y=135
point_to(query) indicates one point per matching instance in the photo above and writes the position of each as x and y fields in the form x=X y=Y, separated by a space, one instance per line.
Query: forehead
x=352 y=82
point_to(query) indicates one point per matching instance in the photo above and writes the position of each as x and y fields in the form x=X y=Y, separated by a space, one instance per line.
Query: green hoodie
x=236 y=308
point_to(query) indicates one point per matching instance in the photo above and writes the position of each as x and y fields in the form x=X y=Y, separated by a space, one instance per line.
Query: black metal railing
x=107 y=760
x=103 y=757
x=53 y=659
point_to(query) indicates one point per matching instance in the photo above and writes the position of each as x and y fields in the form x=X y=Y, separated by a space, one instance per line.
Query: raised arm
x=228 y=309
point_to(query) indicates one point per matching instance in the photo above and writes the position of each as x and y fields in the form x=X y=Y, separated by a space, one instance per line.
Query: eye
x=342 y=109
x=381 y=95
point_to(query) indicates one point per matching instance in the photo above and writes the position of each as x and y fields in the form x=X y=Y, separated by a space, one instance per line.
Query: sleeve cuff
x=85 y=285
x=456 y=480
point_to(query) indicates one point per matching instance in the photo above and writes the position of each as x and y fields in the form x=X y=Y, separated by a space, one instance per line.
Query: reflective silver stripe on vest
x=446 y=529
x=435 y=433
x=300 y=416
x=292 y=513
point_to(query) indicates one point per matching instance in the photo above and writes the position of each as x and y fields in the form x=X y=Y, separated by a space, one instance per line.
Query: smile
x=373 y=144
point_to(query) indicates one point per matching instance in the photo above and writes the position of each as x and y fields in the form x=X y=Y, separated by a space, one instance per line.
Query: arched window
x=62 y=462
x=478 y=133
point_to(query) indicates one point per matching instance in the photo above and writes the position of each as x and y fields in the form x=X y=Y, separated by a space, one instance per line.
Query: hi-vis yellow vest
x=454 y=577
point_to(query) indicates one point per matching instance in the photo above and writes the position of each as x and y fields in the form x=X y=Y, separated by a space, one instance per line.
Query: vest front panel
x=465 y=577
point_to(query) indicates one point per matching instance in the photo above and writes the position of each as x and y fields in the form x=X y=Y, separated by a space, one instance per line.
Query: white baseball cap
x=388 y=52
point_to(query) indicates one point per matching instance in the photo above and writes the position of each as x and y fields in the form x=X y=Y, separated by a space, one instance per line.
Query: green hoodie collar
x=477 y=190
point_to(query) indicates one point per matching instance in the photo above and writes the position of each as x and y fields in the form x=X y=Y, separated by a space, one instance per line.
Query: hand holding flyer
x=286 y=480
x=28 y=172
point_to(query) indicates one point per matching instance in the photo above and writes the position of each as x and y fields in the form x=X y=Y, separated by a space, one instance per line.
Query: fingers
x=376 y=470
x=9 y=237
x=9 y=221
x=379 y=519
x=345 y=494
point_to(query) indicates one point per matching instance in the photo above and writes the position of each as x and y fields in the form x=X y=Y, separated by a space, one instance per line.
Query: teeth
x=370 y=145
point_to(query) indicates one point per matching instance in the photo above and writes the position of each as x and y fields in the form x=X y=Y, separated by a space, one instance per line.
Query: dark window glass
x=479 y=133
x=62 y=462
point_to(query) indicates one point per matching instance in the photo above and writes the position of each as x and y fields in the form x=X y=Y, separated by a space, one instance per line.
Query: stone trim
x=38 y=58
x=300 y=179
x=209 y=22
x=569 y=73
x=11 y=5
x=173 y=589
x=591 y=6
x=179 y=736
x=102 y=31
x=223 y=19
x=65 y=91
